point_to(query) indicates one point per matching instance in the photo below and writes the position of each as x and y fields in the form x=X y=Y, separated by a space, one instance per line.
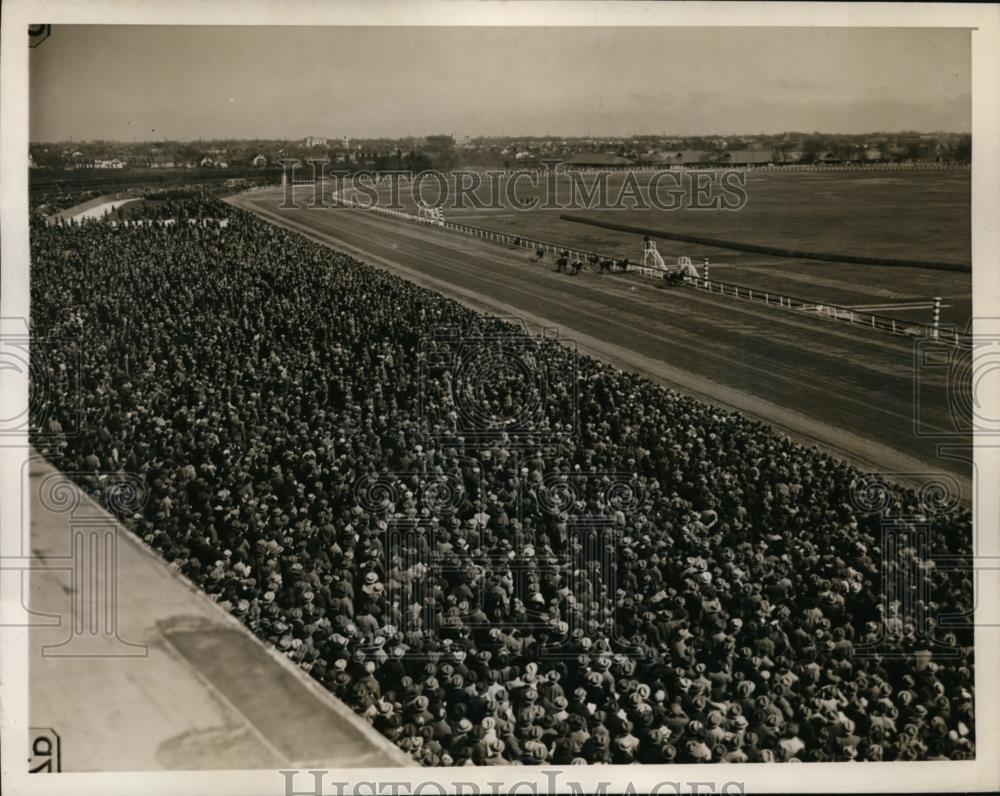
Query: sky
x=145 y=83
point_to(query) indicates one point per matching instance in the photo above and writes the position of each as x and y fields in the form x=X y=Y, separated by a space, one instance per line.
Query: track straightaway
x=849 y=391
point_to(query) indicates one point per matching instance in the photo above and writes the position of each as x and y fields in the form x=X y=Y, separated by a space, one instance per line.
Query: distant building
x=596 y=160
x=346 y=142
x=747 y=157
x=314 y=141
x=206 y=162
x=789 y=156
x=259 y=161
x=31 y=162
x=113 y=163
x=688 y=157
x=162 y=162
x=873 y=155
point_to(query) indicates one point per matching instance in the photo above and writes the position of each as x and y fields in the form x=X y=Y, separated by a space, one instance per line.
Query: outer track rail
x=779 y=301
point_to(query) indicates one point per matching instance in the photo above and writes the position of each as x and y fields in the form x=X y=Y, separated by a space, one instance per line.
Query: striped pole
x=705 y=269
x=937 y=316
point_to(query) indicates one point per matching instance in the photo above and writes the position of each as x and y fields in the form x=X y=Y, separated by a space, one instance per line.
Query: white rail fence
x=855 y=317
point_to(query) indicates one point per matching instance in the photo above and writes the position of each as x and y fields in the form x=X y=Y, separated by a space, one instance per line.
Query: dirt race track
x=859 y=394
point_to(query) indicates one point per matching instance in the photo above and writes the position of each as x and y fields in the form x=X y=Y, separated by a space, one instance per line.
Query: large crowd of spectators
x=617 y=574
x=172 y=203
x=43 y=203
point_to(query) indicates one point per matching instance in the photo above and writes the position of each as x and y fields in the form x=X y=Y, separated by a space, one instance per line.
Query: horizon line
x=498 y=135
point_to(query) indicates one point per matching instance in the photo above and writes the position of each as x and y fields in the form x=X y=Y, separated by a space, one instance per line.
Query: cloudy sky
x=136 y=83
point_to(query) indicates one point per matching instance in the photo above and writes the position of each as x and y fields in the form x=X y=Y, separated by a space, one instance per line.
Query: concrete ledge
x=167 y=679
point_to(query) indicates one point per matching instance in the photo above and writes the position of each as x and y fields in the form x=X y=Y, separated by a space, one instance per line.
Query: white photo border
x=982 y=774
